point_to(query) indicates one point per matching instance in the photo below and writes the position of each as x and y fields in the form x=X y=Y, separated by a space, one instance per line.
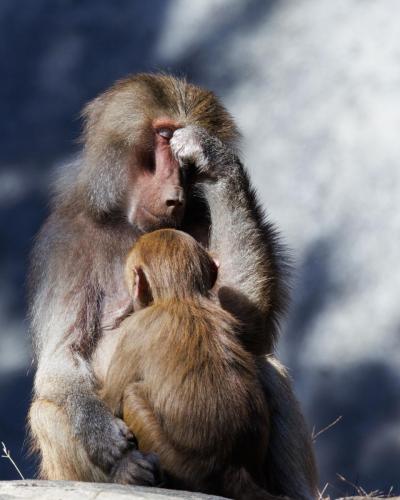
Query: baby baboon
x=181 y=377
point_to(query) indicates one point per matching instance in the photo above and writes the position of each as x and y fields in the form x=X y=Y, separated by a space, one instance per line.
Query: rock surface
x=74 y=490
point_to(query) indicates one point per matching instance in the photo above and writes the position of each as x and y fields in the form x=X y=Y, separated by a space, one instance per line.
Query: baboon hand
x=108 y=442
x=193 y=145
x=137 y=468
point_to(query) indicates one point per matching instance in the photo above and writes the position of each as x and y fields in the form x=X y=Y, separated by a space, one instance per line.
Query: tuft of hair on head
x=118 y=115
x=174 y=264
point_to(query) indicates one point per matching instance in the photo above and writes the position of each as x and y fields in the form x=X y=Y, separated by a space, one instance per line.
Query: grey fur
x=76 y=272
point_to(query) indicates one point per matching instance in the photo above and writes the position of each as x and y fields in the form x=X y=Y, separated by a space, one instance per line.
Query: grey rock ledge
x=74 y=490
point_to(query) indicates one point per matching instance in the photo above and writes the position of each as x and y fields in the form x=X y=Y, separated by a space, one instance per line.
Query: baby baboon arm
x=140 y=419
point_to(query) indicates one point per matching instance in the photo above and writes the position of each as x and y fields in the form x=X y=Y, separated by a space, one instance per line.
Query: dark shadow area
x=15 y=395
x=314 y=286
x=361 y=447
x=18 y=225
x=57 y=55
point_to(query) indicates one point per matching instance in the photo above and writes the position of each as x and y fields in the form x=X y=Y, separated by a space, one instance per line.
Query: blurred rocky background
x=315 y=87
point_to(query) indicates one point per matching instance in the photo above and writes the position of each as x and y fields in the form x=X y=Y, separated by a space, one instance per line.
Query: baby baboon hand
x=108 y=442
x=137 y=468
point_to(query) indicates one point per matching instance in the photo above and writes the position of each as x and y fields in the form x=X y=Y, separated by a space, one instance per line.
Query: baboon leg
x=238 y=484
x=62 y=457
x=290 y=459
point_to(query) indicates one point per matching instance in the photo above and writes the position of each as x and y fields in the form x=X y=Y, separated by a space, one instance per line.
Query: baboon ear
x=214 y=272
x=141 y=289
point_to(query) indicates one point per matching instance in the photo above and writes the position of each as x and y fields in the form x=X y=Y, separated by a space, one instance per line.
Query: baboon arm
x=290 y=461
x=66 y=325
x=236 y=236
x=66 y=314
x=65 y=380
x=62 y=455
x=251 y=283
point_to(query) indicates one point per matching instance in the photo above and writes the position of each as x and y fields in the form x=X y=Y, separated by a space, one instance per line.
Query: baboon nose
x=174 y=202
x=176 y=198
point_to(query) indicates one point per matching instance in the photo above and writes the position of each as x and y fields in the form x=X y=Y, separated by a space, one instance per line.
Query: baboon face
x=158 y=195
x=129 y=166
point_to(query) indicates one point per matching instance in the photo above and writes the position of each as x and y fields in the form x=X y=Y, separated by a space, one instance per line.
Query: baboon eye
x=167 y=133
